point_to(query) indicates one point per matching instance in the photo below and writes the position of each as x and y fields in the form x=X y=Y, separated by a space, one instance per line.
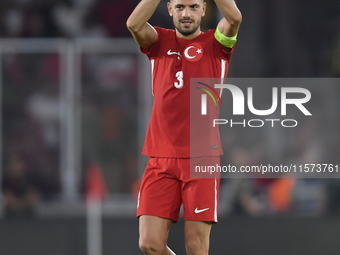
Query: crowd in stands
x=77 y=18
x=64 y=18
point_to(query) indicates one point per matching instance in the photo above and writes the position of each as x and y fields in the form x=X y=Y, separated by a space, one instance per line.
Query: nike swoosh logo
x=202 y=210
x=172 y=53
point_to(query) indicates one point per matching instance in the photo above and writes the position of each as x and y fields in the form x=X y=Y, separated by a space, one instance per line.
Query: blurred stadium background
x=75 y=92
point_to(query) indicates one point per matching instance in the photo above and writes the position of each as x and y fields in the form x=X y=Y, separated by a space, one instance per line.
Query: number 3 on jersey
x=180 y=82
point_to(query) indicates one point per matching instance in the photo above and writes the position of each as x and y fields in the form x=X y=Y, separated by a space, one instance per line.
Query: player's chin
x=188 y=30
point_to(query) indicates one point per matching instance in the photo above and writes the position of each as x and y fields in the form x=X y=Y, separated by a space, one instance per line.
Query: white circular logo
x=193 y=52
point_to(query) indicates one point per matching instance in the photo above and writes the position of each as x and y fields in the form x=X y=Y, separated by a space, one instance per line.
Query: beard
x=186 y=30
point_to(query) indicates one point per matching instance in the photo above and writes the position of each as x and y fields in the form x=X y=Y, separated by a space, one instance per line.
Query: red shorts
x=166 y=185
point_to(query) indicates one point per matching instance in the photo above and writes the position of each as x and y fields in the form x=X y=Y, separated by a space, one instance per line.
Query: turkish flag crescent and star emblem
x=193 y=52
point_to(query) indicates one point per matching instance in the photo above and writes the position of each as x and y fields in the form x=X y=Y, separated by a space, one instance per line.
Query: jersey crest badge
x=193 y=52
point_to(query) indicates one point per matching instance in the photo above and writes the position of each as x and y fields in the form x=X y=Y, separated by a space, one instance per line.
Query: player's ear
x=204 y=8
x=169 y=8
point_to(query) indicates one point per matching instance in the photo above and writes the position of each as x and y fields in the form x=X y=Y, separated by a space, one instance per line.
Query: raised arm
x=143 y=33
x=231 y=22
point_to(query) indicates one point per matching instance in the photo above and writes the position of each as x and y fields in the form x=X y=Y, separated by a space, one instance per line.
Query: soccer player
x=176 y=56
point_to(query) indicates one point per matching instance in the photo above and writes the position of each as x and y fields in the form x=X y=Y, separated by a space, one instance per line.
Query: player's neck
x=189 y=37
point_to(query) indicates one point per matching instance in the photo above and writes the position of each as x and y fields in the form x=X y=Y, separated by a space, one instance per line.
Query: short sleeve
x=220 y=49
x=154 y=48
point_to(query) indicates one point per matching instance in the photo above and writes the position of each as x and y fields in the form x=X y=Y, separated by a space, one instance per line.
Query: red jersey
x=173 y=62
